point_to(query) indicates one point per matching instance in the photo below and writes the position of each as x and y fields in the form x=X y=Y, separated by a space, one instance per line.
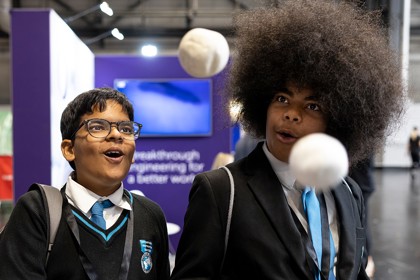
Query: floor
x=395 y=222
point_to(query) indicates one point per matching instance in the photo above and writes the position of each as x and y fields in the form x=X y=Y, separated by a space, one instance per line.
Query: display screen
x=170 y=108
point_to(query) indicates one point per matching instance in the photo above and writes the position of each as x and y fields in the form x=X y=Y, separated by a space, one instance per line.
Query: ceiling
x=162 y=22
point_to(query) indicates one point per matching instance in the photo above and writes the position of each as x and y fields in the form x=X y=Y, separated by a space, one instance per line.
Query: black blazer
x=264 y=240
x=23 y=244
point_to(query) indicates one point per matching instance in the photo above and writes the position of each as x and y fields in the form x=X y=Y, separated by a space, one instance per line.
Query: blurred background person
x=414 y=149
x=221 y=159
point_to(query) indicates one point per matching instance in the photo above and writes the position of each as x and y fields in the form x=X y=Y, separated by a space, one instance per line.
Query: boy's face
x=101 y=164
x=293 y=113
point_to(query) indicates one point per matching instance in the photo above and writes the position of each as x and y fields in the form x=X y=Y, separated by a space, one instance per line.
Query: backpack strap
x=350 y=184
x=230 y=210
x=53 y=206
x=358 y=205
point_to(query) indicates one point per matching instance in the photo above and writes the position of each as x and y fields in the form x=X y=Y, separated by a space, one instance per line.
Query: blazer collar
x=263 y=182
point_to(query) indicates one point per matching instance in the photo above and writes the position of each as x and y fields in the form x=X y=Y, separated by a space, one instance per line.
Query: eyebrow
x=290 y=93
x=312 y=97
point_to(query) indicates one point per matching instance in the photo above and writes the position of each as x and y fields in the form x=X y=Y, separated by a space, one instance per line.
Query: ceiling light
x=117 y=34
x=114 y=32
x=149 y=50
x=104 y=7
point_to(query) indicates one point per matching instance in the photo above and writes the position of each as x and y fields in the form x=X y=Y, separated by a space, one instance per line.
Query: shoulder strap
x=359 y=207
x=230 y=210
x=53 y=205
x=350 y=183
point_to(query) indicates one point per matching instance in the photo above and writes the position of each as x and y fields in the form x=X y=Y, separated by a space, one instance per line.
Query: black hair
x=338 y=50
x=86 y=103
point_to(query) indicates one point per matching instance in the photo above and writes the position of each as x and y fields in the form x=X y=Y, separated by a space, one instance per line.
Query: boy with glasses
x=105 y=232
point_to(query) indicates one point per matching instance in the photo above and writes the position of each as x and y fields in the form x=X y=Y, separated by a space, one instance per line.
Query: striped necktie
x=313 y=212
x=97 y=211
x=316 y=213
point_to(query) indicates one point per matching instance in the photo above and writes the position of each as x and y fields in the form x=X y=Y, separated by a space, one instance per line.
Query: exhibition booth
x=184 y=122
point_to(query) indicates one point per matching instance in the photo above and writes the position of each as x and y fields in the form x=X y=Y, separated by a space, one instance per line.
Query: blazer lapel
x=347 y=249
x=270 y=195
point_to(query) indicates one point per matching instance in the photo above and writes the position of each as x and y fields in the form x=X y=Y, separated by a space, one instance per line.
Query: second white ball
x=319 y=160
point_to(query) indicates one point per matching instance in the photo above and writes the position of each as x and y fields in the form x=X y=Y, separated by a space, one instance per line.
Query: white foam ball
x=319 y=160
x=203 y=52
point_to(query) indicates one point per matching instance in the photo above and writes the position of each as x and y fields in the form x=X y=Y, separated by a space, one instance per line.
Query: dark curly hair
x=338 y=50
x=85 y=103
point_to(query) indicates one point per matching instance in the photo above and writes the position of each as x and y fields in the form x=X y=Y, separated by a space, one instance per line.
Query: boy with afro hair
x=300 y=68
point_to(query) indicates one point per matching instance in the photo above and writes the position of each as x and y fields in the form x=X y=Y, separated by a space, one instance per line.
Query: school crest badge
x=146 y=259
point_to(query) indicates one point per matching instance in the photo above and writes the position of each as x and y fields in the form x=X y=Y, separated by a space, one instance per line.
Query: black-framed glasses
x=100 y=128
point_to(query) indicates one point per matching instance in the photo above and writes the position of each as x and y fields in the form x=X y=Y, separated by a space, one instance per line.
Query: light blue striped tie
x=97 y=211
x=313 y=213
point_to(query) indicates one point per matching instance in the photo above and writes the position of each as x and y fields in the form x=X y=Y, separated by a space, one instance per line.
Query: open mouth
x=286 y=135
x=113 y=154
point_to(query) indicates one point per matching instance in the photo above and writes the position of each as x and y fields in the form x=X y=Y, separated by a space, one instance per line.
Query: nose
x=114 y=133
x=293 y=115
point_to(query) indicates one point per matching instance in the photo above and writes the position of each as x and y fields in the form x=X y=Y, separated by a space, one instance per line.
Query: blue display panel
x=170 y=108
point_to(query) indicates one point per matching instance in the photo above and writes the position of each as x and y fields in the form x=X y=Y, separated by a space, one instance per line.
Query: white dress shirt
x=83 y=199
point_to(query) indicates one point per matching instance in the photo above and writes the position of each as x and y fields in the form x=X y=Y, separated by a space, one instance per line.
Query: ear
x=67 y=150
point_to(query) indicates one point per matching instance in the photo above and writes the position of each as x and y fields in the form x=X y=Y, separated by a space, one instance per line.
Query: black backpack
x=53 y=207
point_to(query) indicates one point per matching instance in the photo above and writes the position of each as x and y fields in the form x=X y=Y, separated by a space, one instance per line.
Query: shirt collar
x=281 y=169
x=83 y=199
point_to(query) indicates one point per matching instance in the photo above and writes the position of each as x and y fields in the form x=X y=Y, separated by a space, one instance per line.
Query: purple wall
x=30 y=47
x=50 y=66
x=172 y=197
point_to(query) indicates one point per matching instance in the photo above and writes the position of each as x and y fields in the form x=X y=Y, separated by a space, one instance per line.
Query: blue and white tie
x=313 y=212
x=97 y=211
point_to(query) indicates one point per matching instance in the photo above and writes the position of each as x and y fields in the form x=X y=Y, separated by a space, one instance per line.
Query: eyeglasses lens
x=101 y=128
